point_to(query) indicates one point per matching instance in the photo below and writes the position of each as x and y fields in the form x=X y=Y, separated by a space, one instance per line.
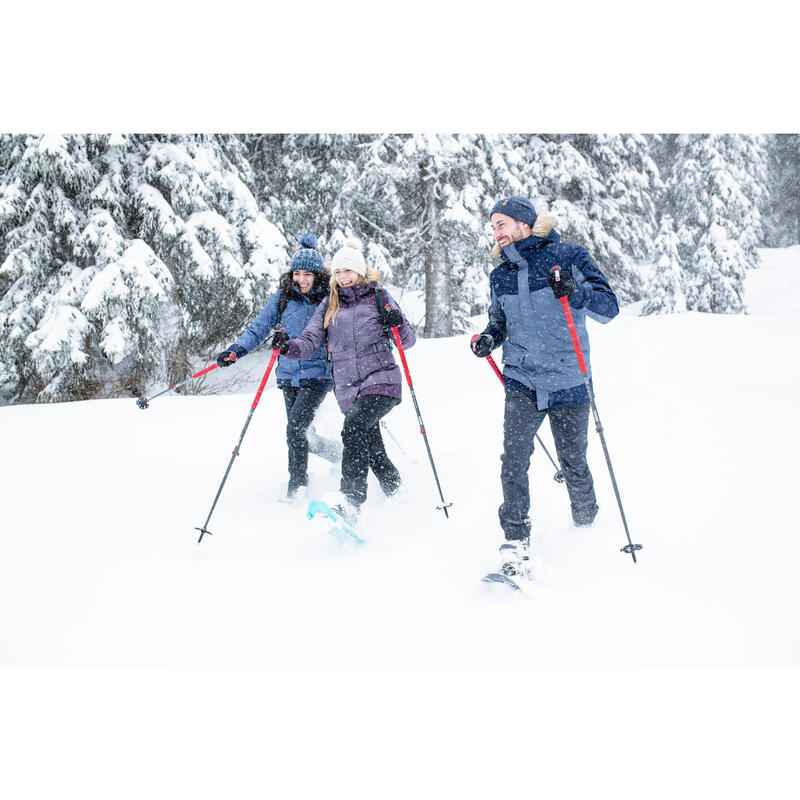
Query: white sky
x=340 y=67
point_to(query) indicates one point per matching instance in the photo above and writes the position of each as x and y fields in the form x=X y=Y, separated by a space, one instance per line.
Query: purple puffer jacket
x=362 y=360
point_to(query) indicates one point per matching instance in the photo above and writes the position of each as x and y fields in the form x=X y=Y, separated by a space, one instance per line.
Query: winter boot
x=295 y=495
x=516 y=558
x=346 y=509
x=583 y=516
x=297 y=492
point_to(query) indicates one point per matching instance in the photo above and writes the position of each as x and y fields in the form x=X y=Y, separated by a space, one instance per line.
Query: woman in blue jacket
x=304 y=383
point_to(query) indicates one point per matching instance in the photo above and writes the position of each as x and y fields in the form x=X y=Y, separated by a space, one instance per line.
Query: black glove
x=229 y=356
x=391 y=316
x=279 y=341
x=483 y=345
x=565 y=286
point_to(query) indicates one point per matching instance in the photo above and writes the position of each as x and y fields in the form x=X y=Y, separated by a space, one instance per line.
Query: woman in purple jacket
x=357 y=318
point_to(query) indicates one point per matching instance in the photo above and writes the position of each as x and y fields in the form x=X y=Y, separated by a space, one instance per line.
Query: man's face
x=507 y=229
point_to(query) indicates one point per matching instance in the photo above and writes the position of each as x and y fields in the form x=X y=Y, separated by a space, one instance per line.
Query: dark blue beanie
x=308 y=257
x=519 y=208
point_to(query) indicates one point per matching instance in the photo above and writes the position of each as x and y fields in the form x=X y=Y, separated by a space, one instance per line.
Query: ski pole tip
x=630 y=549
x=142 y=403
x=203 y=532
x=444 y=508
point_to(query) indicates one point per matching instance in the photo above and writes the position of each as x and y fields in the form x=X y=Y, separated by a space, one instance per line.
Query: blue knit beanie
x=519 y=208
x=308 y=257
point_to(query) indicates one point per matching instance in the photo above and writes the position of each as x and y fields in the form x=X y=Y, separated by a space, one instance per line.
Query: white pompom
x=353 y=242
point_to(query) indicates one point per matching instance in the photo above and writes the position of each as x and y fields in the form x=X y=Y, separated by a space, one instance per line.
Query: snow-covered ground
x=100 y=563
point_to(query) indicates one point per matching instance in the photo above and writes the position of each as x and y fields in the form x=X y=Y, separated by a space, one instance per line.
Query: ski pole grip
x=571 y=326
x=402 y=355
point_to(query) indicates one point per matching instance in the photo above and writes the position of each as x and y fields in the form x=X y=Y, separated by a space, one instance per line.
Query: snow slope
x=101 y=563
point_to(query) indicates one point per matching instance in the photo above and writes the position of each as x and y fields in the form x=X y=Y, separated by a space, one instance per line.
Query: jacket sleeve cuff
x=497 y=337
x=580 y=297
x=293 y=350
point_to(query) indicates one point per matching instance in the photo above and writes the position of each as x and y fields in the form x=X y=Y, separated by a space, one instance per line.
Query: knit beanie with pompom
x=350 y=256
x=308 y=257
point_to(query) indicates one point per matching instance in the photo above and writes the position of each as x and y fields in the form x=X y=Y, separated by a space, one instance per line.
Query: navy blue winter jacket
x=312 y=372
x=527 y=319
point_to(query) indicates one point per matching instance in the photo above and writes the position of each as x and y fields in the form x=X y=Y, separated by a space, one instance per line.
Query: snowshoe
x=515 y=566
x=338 y=526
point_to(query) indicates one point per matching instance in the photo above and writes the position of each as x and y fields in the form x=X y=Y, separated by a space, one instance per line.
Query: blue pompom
x=308 y=240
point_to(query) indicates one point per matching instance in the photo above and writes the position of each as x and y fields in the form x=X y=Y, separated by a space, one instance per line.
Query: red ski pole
x=399 y=344
x=492 y=364
x=144 y=402
x=559 y=476
x=204 y=530
x=630 y=547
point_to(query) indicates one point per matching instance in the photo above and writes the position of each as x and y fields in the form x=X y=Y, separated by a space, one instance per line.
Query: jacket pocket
x=513 y=354
x=376 y=361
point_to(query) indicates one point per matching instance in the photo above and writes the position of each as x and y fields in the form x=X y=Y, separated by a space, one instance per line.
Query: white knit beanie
x=350 y=256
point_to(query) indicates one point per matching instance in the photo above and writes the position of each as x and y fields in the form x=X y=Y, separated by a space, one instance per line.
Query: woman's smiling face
x=304 y=280
x=346 y=277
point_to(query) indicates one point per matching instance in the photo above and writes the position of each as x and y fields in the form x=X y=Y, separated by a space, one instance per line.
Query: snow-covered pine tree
x=302 y=180
x=45 y=338
x=129 y=294
x=783 y=216
x=665 y=293
x=125 y=260
x=423 y=199
x=631 y=184
x=330 y=184
x=196 y=211
x=715 y=194
x=368 y=206
x=743 y=192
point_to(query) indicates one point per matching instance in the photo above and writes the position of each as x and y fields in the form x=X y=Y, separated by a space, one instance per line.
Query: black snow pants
x=364 y=449
x=301 y=405
x=570 y=425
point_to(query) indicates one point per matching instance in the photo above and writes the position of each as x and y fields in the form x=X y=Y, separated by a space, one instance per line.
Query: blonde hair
x=542 y=226
x=371 y=275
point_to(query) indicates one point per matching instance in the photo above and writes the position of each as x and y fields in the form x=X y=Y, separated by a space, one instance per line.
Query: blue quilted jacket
x=314 y=371
x=527 y=319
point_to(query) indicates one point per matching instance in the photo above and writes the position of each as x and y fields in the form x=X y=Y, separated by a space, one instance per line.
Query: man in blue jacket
x=541 y=372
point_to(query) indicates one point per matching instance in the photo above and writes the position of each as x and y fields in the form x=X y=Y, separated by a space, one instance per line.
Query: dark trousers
x=301 y=406
x=364 y=449
x=570 y=425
